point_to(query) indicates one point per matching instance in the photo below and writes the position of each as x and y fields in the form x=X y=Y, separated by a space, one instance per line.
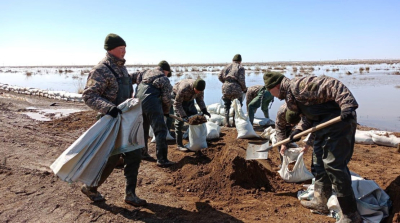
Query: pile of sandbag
x=383 y=138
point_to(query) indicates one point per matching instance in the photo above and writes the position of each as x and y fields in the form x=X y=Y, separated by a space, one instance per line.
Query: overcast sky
x=72 y=32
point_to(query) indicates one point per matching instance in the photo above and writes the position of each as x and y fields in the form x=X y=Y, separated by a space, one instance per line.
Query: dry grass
x=396 y=73
x=28 y=73
x=348 y=73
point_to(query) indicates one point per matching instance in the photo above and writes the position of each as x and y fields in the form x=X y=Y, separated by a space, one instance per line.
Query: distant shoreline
x=272 y=63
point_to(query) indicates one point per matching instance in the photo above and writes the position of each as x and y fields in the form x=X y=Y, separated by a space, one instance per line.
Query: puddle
x=48 y=114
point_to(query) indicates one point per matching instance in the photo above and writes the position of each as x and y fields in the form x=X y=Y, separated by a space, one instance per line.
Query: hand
x=205 y=112
x=113 y=111
x=166 y=115
x=348 y=113
x=305 y=148
x=283 y=149
x=294 y=132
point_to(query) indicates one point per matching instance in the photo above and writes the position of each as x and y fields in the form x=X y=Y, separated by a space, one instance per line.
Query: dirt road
x=217 y=187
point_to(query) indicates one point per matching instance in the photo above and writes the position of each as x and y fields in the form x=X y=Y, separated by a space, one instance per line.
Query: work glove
x=166 y=115
x=185 y=119
x=113 y=111
x=205 y=112
x=294 y=132
x=348 y=113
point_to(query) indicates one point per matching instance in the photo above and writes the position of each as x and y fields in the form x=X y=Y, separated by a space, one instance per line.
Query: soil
x=197 y=120
x=218 y=185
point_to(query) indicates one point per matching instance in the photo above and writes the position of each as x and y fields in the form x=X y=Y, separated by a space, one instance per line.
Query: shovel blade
x=266 y=149
x=252 y=150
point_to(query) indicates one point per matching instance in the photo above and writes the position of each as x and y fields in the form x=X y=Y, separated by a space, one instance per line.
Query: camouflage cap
x=237 y=57
x=292 y=117
x=271 y=79
x=112 y=41
x=199 y=84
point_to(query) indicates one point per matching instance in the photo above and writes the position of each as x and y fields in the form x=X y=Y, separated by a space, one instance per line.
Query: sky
x=54 y=32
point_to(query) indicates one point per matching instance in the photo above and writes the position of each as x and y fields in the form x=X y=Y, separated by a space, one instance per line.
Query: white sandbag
x=215 y=118
x=242 y=122
x=385 y=138
x=213 y=130
x=214 y=108
x=292 y=154
x=197 y=137
x=263 y=121
x=230 y=120
x=85 y=159
x=363 y=137
x=299 y=172
x=151 y=134
x=267 y=133
x=222 y=111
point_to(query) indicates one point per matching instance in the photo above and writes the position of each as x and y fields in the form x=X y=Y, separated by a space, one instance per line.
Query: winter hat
x=292 y=117
x=271 y=79
x=237 y=57
x=199 y=84
x=164 y=65
x=112 y=41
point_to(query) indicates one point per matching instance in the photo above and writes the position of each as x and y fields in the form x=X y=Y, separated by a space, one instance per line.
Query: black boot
x=322 y=192
x=227 y=119
x=132 y=199
x=179 y=143
x=349 y=213
x=92 y=193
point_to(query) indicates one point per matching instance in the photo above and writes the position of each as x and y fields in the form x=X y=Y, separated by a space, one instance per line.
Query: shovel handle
x=176 y=117
x=299 y=135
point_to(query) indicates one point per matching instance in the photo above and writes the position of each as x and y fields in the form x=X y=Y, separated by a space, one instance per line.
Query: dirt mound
x=393 y=190
x=223 y=170
x=79 y=120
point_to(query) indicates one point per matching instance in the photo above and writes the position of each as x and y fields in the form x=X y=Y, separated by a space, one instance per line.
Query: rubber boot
x=132 y=199
x=179 y=143
x=322 y=193
x=92 y=193
x=227 y=119
x=349 y=211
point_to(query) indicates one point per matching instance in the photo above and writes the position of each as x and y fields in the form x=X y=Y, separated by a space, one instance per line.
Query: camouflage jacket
x=312 y=90
x=184 y=91
x=233 y=79
x=251 y=93
x=102 y=87
x=281 y=126
x=138 y=76
x=157 y=78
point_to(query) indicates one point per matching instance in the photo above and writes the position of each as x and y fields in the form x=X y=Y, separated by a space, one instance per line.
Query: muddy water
x=376 y=89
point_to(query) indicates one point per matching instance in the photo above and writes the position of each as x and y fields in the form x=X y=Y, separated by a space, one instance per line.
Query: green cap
x=199 y=84
x=271 y=79
x=164 y=65
x=292 y=117
x=237 y=57
x=112 y=41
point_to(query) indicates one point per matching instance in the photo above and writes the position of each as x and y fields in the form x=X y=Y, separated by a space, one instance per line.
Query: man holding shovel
x=184 y=93
x=320 y=99
x=234 y=84
x=108 y=85
x=154 y=92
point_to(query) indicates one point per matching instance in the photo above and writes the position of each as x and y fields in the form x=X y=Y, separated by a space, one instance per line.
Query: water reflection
x=376 y=87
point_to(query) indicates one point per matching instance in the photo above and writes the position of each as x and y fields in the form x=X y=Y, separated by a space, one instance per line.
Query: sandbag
x=213 y=130
x=216 y=118
x=267 y=133
x=214 y=108
x=85 y=159
x=292 y=153
x=197 y=137
x=151 y=134
x=263 y=121
x=242 y=122
x=385 y=138
x=299 y=172
x=363 y=137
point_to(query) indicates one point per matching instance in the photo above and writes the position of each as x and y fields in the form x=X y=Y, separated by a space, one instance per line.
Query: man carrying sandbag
x=154 y=92
x=321 y=99
x=234 y=84
x=258 y=96
x=184 y=93
x=108 y=85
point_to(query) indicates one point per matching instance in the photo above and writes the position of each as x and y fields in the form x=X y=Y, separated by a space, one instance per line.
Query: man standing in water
x=108 y=85
x=320 y=99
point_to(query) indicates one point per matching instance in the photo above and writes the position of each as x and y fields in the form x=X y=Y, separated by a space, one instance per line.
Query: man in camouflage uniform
x=137 y=78
x=184 y=93
x=154 y=92
x=257 y=96
x=321 y=99
x=234 y=84
x=108 y=85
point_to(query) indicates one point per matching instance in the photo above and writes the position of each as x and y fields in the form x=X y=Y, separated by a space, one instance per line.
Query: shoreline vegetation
x=272 y=63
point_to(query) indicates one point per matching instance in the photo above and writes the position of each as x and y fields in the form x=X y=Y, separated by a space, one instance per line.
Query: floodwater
x=375 y=87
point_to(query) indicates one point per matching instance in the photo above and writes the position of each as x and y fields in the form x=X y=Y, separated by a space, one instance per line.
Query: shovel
x=313 y=129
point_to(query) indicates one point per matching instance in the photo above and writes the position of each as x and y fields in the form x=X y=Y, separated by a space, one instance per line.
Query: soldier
x=155 y=94
x=234 y=84
x=137 y=78
x=108 y=85
x=257 y=96
x=184 y=93
x=320 y=99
